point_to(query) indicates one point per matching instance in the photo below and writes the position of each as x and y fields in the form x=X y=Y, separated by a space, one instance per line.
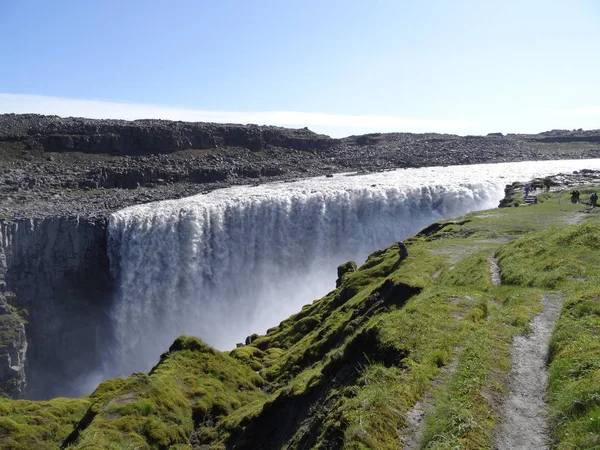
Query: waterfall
x=239 y=260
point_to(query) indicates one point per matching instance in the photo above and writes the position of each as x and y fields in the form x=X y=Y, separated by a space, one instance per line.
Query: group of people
x=529 y=187
x=593 y=198
x=533 y=187
x=575 y=196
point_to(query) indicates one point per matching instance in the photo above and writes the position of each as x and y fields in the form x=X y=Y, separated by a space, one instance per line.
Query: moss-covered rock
x=342 y=270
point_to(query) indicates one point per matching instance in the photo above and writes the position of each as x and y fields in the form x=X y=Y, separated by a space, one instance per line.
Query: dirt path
x=523 y=414
x=415 y=417
x=496 y=279
x=575 y=218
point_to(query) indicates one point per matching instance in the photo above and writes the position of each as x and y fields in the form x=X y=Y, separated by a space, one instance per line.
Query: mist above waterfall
x=237 y=261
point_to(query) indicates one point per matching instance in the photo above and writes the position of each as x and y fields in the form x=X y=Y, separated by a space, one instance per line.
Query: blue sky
x=338 y=67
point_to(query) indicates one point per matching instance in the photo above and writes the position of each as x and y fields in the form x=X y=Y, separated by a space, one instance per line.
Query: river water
x=239 y=260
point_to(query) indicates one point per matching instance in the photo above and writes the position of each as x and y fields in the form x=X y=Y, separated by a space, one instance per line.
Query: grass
x=346 y=370
x=574 y=377
x=26 y=425
x=465 y=410
x=567 y=258
x=178 y=402
x=459 y=310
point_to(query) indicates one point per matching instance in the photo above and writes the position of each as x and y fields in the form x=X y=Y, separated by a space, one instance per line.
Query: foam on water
x=236 y=261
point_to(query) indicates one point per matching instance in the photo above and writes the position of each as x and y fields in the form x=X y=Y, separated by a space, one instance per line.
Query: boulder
x=342 y=270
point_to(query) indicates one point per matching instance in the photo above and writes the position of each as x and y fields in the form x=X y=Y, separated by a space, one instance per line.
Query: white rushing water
x=239 y=260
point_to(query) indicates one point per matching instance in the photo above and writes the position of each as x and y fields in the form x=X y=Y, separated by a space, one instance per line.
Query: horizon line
x=333 y=125
x=109 y=109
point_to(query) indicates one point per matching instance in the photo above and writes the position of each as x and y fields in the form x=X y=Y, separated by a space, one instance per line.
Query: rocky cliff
x=57 y=272
x=55 y=134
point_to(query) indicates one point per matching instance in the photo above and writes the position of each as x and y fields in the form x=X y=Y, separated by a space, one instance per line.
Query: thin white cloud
x=593 y=111
x=99 y=109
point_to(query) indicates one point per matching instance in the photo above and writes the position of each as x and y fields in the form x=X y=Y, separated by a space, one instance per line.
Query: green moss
x=107 y=387
x=9 y=329
x=192 y=387
x=11 y=323
x=250 y=355
x=41 y=425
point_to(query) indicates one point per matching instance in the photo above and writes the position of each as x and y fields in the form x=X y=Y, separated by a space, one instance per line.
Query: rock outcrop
x=342 y=270
x=514 y=192
x=13 y=349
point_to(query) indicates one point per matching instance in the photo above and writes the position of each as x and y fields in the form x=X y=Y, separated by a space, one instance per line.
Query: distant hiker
x=526 y=190
x=594 y=200
x=575 y=196
x=547 y=183
x=402 y=250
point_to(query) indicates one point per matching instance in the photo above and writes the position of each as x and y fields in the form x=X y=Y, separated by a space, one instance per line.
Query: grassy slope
x=26 y=425
x=345 y=371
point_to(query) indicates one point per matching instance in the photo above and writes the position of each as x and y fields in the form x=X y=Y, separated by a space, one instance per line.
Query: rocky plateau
x=52 y=166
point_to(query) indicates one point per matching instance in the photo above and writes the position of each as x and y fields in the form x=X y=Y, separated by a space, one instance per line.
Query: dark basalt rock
x=138 y=137
x=250 y=339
